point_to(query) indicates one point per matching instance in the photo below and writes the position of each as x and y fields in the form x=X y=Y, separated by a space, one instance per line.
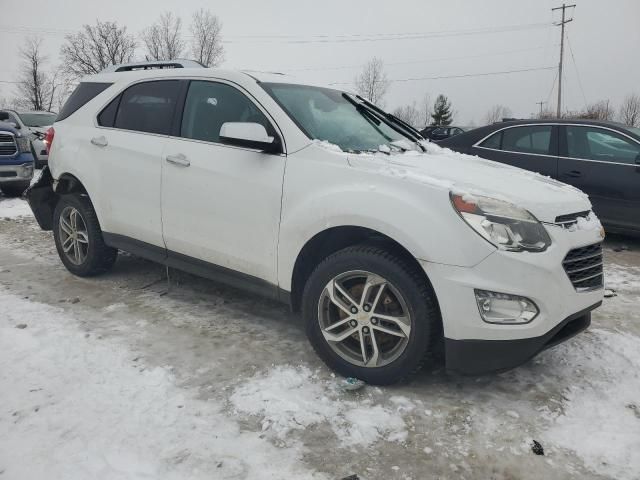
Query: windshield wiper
x=373 y=119
x=415 y=134
x=390 y=120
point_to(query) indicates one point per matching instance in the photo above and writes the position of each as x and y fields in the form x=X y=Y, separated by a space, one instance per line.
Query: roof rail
x=151 y=65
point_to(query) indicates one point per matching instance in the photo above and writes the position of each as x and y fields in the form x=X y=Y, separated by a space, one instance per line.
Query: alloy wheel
x=364 y=319
x=74 y=237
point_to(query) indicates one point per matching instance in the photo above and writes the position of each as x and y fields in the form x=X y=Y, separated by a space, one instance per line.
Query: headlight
x=501 y=223
x=24 y=145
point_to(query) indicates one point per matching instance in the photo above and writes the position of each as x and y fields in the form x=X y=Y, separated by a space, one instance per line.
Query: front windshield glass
x=38 y=119
x=325 y=114
x=634 y=130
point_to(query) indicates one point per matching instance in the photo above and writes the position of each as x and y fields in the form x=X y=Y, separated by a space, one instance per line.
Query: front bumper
x=19 y=169
x=474 y=346
x=474 y=357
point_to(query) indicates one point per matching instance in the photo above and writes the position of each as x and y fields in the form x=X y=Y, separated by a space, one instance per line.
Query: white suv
x=389 y=246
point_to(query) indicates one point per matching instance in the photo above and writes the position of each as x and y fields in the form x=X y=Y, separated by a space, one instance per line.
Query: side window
x=107 y=117
x=592 y=143
x=493 y=141
x=84 y=93
x=210 y=104
x=147 y=107
x=531 y=139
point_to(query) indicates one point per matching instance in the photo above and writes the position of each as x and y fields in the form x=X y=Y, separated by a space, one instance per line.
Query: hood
x=5 y=127
x=544 y=197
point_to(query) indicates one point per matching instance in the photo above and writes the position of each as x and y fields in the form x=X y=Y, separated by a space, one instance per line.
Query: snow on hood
x=544 y=197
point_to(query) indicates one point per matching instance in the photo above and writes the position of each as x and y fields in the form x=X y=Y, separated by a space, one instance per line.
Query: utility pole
x=541 y=103
x=561 y=24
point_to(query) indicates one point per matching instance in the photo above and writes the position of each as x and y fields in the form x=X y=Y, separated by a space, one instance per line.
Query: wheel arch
x=69 y=183
x=333 y=239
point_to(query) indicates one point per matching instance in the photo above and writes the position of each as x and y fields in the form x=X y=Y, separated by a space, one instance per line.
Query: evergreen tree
x=442 y=114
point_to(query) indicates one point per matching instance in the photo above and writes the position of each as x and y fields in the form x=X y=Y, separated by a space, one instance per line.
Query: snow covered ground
x=125 y=377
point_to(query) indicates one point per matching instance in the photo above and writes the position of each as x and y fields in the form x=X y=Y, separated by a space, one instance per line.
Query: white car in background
x=388 y=245
x=34 y=125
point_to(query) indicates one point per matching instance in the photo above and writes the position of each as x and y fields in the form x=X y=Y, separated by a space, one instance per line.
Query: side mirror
x=14 y=125
x=249 y=135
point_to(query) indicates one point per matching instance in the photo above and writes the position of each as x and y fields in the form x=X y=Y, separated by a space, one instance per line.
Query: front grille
x=8 y=174
x=7 y=144
x=584 y=267
x=570 y=218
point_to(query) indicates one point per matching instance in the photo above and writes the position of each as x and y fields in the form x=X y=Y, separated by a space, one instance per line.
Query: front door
x=605 y=165
x=221 y=203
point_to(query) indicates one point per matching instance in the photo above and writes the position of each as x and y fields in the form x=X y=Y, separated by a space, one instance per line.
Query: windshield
x=329 y=115
x=634 y=130
x=37 y=119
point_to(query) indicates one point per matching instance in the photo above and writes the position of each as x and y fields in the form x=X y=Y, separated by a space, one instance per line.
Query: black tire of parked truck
x=371 y=315
x=78 y=237
x=14 y=189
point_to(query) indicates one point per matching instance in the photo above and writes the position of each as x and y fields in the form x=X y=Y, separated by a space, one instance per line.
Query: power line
x=575 y=66
x=411 y=62
x=312 y=38
x=465 y=75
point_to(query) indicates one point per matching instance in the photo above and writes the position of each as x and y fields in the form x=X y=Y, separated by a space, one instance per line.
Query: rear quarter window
x=83 y=93
x=147 y=107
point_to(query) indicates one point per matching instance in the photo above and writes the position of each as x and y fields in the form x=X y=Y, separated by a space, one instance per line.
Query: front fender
x=321 y=192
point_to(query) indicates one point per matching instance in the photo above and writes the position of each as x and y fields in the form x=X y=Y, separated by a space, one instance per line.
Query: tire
x=95 y=257
x=14 y=189
x=405 y=291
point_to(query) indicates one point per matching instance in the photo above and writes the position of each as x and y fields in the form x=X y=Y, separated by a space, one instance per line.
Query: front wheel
x=78 y=237
x=371 y=315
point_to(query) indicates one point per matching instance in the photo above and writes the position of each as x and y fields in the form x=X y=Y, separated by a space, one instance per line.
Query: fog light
x=504 y=308
x=26 y=170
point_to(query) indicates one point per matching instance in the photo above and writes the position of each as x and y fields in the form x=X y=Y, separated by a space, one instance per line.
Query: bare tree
x=546 y=114
x=496 y=114
x=206 y=45
x=372 y=83
x=601 y=110
x=425 y=111
x=96 y=47
x=164 y=39
x=409 y=114
x=630 y=110
x=36 y=88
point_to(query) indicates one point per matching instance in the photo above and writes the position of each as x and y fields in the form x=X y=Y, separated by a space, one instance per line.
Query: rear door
x=532 y=147
x=605 y=164
x=126 y=147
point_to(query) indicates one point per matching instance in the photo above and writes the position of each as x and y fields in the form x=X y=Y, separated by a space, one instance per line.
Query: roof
x=153 y=65
x=237 y=76
x=472 y=136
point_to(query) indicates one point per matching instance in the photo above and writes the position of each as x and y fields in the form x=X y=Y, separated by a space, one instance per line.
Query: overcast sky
x=328 y=42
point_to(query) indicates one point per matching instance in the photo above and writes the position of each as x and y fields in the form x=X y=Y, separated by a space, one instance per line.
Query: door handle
x=178 y=159
x=573 y=173
x=100 y=141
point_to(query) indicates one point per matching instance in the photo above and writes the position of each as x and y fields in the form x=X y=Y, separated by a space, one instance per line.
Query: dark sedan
x=435 y=133
x=600 y=158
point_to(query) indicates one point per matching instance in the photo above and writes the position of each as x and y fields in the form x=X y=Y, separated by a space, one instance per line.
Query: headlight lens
x=24 y=145
x=501 y=223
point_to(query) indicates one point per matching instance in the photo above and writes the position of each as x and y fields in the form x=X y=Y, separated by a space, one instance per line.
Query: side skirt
x=197 y=267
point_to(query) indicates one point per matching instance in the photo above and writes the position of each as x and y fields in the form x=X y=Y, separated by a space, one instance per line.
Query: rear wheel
x=79 y=239
x=14 y=189
x=370 y=314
